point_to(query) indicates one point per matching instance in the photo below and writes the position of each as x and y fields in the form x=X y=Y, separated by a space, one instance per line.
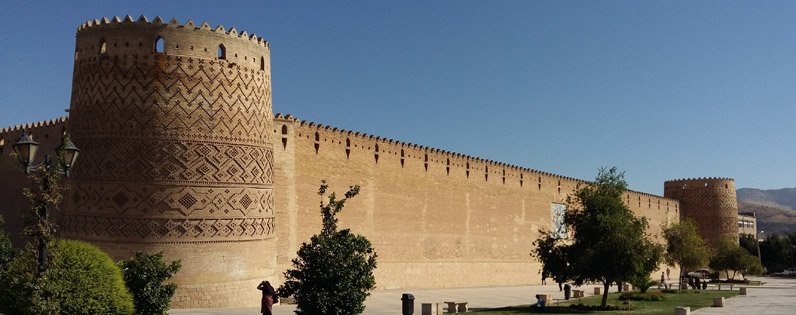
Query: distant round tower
x=174 y=123
x=711 y=202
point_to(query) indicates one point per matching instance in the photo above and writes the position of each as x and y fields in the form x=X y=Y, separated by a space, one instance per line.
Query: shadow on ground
x=526 y=309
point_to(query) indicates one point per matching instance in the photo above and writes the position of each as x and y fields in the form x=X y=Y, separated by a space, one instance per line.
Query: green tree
x=81 y=279
x=732 y=257
x=776 y=253
x=44 y=196
x=550 y=251
x=7 y=255
x=609 y=243
x=334 y=272
x=749 y=244
x=7 y=250
x=684 y=247
x=145 y=275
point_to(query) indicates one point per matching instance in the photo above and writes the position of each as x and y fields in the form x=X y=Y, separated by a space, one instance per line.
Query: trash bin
x=407 y=304
x=567 y=291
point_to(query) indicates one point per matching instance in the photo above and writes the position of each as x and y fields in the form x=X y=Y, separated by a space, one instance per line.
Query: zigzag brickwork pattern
x=176 y=148
x=711 y=202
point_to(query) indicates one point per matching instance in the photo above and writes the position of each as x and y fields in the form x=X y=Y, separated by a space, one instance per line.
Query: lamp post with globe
x=25 y=149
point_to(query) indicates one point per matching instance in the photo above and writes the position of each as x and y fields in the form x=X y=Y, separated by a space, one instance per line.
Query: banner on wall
x=559 y=211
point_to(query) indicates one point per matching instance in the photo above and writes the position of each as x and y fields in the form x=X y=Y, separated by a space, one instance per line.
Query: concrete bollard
x=451 y=307
x=431 y=309
x=743 y=291
x=597 y=290
x=718 y=301
x=682 y=310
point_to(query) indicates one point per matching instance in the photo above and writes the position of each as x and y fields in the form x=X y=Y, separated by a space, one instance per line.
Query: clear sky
x=663 y=90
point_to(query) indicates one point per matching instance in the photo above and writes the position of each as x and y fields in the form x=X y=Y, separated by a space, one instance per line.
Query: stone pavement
x=778 y=296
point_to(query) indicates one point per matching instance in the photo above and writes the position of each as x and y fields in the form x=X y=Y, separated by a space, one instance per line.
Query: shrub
x=7 y=251
x=608 y=307
x=144 y=275
x=674 y=291
x=649 y=296
x=81 y=279
x=334 y=272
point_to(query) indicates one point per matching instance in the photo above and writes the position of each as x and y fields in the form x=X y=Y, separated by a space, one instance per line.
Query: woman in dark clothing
x=268 y=297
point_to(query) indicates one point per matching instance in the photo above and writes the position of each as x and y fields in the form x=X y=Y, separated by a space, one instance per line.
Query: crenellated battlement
x=474 y=167
x=700 y=179
x=127 y=38
x=39 y=124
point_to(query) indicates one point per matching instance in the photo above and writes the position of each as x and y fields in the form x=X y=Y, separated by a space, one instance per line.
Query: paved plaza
x=778 y=296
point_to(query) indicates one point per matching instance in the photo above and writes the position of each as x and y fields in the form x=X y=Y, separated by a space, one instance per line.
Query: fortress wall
x=48 y=134
x=436 y=218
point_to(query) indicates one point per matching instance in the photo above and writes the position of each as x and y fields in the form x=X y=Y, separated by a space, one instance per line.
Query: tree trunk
x=606 y=284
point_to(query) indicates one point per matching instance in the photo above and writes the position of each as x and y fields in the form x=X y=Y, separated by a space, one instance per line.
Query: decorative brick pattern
x=171 y=201
x=711 y=202
x=177 y=150
x=145 y=230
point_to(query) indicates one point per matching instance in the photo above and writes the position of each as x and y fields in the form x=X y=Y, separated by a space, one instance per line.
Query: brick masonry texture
x=181 y=153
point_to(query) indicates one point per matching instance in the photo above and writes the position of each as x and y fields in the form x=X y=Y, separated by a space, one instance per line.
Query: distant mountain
x=779 y=198
x=770 y=219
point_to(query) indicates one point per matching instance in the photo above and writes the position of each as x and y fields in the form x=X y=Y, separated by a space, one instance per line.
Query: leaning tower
x=174 y=123
x=711 y=202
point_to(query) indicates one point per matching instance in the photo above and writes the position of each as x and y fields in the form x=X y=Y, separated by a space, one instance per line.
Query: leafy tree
x=551 y=252
x=334 y=272
x=45 y=193
x=749 y=244
x=730 y=256
x=653 y=254
x=144 y=274
x=609 y=244
x=776 y=253
x=685 y=247
x=81 y=280
x=7 y=254
x=7 y=250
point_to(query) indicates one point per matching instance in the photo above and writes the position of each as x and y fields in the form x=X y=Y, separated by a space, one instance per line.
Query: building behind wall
x=181 y=153
x=747 y=225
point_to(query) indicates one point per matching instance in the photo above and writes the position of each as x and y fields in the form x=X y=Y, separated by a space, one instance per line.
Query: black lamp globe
x=70 y=155
x=26 y=148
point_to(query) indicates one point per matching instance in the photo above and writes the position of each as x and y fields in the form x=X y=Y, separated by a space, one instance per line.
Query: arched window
x=103 y=48
x=284 y=129
x=262 y=63
x=222 y=51
x=376 y=148
x=159 y=45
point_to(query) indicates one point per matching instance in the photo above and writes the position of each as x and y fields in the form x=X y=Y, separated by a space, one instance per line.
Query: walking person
x=663 y=281
x=267 y=303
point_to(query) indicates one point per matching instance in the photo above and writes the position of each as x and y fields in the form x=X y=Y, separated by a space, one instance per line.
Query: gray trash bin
x=407 y=304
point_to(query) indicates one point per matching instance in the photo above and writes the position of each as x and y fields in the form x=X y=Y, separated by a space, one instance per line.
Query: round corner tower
x=174 y=123
x=711 y=202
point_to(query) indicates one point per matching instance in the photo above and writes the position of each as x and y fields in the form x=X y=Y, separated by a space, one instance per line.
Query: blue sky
x=662 y=90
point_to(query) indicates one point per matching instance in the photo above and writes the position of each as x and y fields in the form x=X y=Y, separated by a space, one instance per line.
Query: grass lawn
x=695 y=301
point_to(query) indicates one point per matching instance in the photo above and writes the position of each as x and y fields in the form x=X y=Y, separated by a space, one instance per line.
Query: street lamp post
x=26 y=149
